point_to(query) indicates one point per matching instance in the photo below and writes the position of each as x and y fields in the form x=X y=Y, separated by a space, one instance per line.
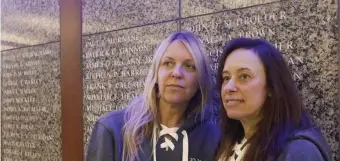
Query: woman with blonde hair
x=171 y=120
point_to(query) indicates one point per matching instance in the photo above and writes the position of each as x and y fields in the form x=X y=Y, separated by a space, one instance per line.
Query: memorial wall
x=30 y=81
x=117 y=53
x=30 y=104
x=118 y=42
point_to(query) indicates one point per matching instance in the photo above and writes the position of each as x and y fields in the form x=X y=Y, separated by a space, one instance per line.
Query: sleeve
x=299 y=150
x=101 y=146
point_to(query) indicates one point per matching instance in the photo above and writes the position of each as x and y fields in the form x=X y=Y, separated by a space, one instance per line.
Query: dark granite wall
x=104 y=15
x=30 y=104
x=305 y=31
x=30 y=81
x=27 y=23
x=119 y=38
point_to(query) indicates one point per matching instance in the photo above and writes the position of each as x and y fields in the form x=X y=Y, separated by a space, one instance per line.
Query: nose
x=230 y=86
x=177 y=72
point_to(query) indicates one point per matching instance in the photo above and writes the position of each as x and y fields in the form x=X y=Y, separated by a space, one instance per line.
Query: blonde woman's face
x=177 y=77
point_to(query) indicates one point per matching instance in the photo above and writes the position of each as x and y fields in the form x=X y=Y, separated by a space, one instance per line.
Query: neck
x=171 y=115
x=249 y=125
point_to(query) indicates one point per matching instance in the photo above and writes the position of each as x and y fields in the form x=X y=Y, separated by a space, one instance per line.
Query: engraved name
x=27 y=55
x=20 y=118
x=116 y=74
x=104 y=96
x=117 y=63
x=19 y=73
x=116 y=52
x=119 y=85
x=24 y=109
x=19 y=144
x=18 y=126
x=20 y=91
x=27 y=99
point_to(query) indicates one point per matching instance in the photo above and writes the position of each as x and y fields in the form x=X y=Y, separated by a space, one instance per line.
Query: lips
x=233 y=102
x=175 y=86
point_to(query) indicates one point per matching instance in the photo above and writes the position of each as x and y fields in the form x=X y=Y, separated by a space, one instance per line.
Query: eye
x=168 y=63
x=244 y=76
x=190 y=66
x=226 y=78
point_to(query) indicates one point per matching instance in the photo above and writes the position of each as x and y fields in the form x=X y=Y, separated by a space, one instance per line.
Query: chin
x=234 y=116
x=176 y=99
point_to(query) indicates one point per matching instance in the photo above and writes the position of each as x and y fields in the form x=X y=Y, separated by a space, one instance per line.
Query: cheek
x=256 y=96
x=192 y=81
x=223 y=91
x=161 y=77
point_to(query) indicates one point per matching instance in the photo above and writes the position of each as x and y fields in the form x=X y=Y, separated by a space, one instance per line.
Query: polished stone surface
x=115 y=65
x=199 y=7
x=30 y=103
x=104 y=15
x=26 y=23
x=306 y=32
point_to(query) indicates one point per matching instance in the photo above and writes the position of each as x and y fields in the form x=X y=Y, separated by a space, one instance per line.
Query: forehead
x=243 y=58
x=177 y=50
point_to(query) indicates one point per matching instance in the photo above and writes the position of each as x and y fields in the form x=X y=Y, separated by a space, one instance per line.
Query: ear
x=269 y=94
x=157 y=91
x=156 y=88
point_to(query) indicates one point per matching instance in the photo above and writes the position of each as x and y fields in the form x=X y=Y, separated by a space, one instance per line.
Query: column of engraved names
x=21 y=110
x=215 y=33
x=113 y=75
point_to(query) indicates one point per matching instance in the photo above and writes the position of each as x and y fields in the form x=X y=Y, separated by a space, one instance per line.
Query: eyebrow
x=241 y=69
x=169 y=57
x=184 y=60
x=238 y=70
x=225 y=72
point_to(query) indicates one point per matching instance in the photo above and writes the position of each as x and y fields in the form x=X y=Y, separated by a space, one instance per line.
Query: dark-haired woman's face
x=244 y=88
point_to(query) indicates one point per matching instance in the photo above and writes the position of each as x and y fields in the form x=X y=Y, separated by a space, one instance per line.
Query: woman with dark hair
x=263 y=117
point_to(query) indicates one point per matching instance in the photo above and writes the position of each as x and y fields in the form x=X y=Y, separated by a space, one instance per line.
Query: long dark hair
x=283 y=111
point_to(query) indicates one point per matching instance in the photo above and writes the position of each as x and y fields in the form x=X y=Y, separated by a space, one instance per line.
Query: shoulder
x=208 y=122
x=302 y=150
x=116 y=114
x=211 y=126
x=302 y=145
x=307 y=144
x=211 y=130
x=106 y=138
x=112 y=120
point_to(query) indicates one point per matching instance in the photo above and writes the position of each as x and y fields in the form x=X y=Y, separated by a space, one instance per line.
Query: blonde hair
x=141 y=113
